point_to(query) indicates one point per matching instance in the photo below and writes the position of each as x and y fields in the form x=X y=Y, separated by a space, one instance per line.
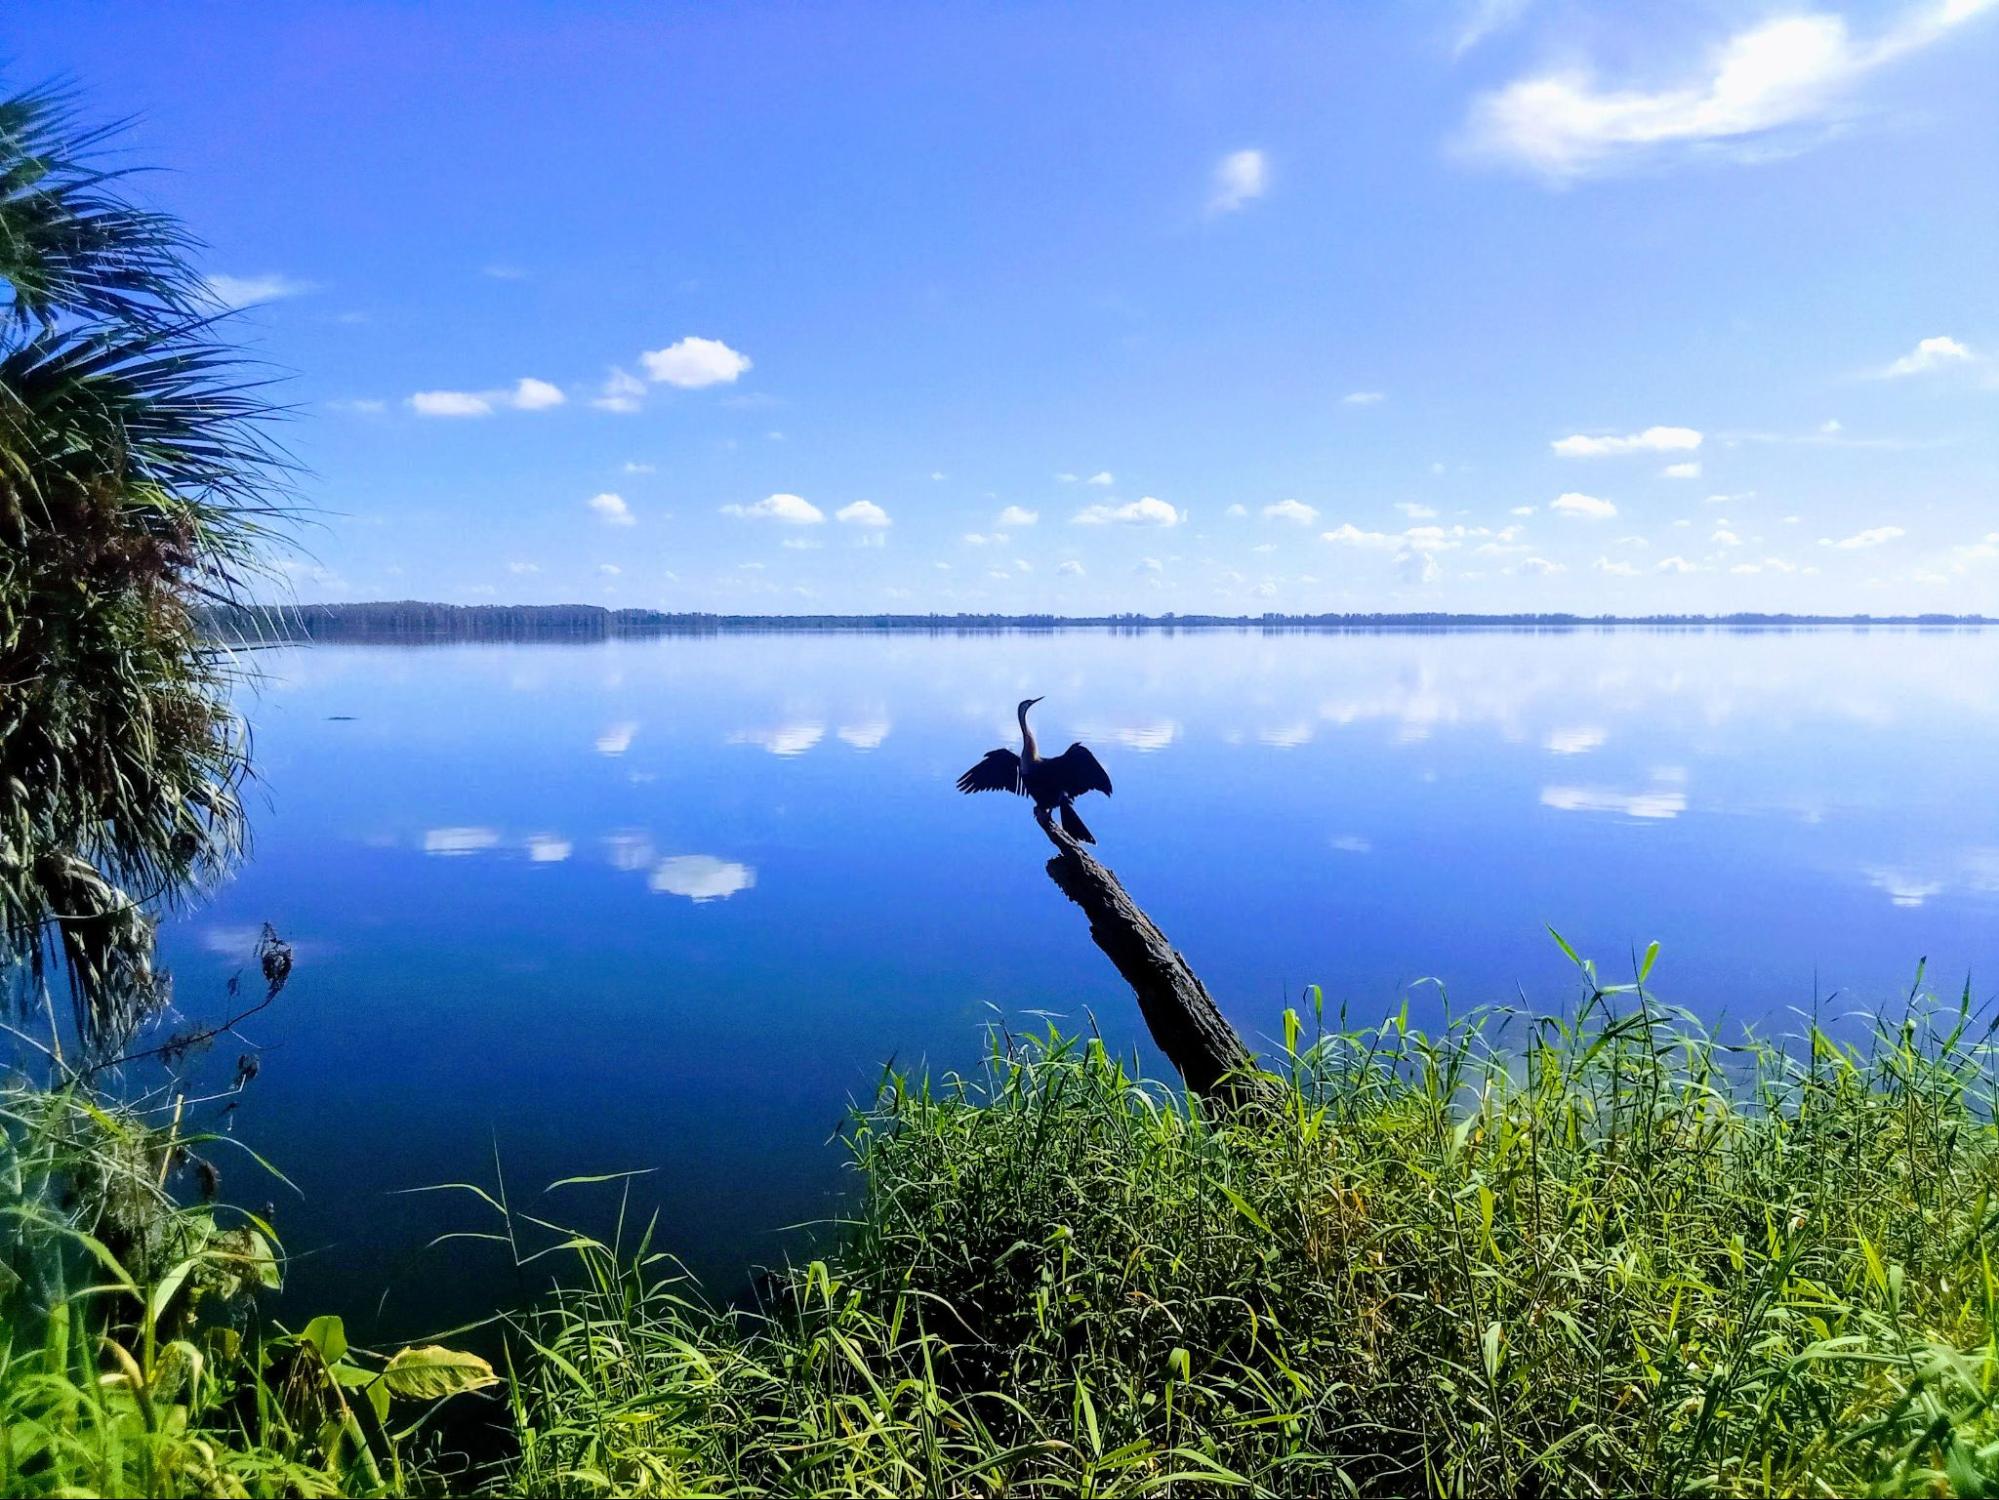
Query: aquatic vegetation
x=133 y=1357
x=1602 y=1255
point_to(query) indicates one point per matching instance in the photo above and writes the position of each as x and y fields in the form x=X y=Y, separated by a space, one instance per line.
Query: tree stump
x=1184 y=1020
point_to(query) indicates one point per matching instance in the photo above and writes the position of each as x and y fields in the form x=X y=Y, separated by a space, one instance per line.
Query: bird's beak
x=1032 y=701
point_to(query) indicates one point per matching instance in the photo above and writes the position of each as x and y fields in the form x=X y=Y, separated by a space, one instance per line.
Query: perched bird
x=1054 y=783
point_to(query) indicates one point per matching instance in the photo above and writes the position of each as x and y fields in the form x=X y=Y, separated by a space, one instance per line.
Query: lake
x=668 y=904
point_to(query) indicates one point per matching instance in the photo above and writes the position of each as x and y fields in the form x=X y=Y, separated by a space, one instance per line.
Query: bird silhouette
x=1054 y=782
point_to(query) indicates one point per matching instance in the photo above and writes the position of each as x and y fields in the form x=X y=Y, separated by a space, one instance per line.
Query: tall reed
x=1601 y=1254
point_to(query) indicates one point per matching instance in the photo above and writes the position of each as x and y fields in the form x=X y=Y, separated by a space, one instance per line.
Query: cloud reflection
x=1144 y=736
x=628 y=851
x=454 y=842
x=1286 y=736
x=701 y=877
x=616 y=738
x=548 y=848
x=866 y=736
x=786 y=739
x=1660 y=802
x=1576 y=740
x=1904 y=887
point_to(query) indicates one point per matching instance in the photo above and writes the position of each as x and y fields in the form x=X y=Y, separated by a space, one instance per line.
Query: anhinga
x=1055 y=782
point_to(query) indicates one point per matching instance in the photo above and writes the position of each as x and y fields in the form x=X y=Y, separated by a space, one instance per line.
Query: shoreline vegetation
x=1604 y=1252
x=415 y=620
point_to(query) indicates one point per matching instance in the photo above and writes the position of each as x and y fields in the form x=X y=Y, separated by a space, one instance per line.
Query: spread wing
x=1077 y=771
x=998 y=772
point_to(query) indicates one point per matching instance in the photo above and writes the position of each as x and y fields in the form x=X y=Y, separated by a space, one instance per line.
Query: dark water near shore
x=669 y=904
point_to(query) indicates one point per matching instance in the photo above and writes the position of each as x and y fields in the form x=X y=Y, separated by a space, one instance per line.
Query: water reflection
x=460 y=841
x=1662 y=802
x=865 y=736
x=1361 y=811
x=701 y=877
x=1574 y=740
x=787 y=739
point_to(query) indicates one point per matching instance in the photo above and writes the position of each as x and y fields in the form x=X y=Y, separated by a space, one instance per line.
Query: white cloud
x=792 y=510
x=1615 y=567
x=1586 y=506
x=1236 y=512
x=365 y=405
x=1651 y=440
x=523 y=567
x=1102 y=477
x=1484 y=18
x=631 y=467
x=609 y=570
x=1346 y=534
x=1416 y=512
x=1419 y=538
x=1682 y=471
x=528 y=394
x=1239 y=177
x=536 y=395
x=242 y=291
x=1521 y=510
x=985 y=539
x=1144 y=512
x=1362 y=398
x=613 y=509
x=549 y=848
x=1675 y=565
x=695 y=362
x=451 y=404
x=1070 y=569
x=1929 y=354
x=1784 y=74
x=622 y=391
x=1017 y=515
x=1291 y=510
x=1874 y=536
x=862 y=513
x=1541 y=565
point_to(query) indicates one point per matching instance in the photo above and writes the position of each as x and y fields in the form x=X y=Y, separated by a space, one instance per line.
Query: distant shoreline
x=417 y=621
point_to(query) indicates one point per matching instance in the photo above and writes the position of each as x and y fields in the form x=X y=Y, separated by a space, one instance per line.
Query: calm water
x=669 y=904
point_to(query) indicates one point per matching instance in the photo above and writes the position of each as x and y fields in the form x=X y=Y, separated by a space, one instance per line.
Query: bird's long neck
x=1027 y=750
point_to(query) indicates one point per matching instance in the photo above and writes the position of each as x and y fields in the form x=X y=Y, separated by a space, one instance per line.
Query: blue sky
x=1508 y=304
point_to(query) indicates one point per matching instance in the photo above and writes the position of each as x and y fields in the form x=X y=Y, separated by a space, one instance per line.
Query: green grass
x=1601 y=1256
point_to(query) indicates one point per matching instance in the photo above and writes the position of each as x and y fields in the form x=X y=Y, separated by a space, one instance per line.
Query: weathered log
x=1184 y=1020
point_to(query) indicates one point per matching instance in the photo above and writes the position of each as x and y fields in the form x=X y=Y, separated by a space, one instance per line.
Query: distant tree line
x=415 y=620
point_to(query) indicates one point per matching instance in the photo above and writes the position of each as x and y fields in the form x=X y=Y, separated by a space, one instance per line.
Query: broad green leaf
x=433 y=1372
x=328 y=1335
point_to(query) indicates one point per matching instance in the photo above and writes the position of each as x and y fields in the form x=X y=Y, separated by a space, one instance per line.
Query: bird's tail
x=1074 y=826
